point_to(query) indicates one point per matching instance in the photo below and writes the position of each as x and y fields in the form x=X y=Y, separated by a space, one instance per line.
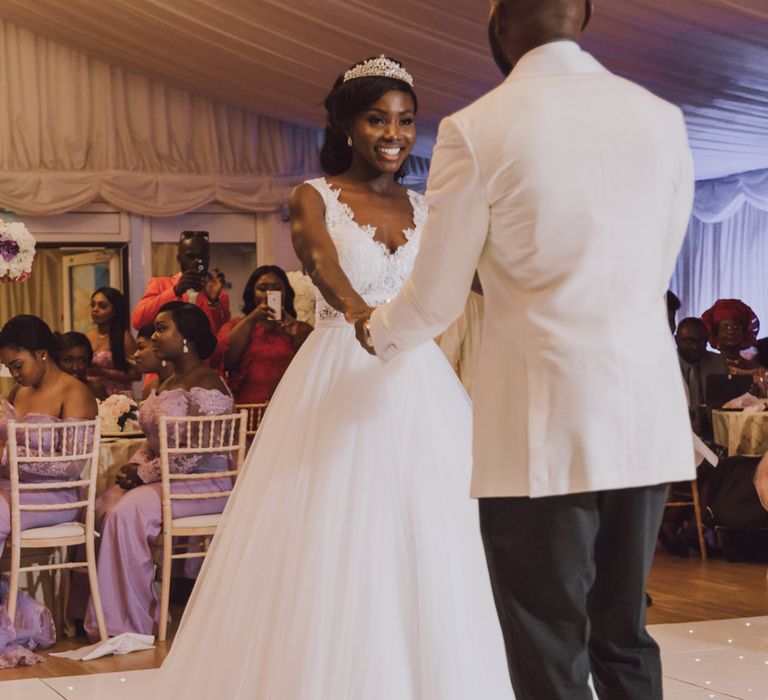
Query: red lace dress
x=263 y=363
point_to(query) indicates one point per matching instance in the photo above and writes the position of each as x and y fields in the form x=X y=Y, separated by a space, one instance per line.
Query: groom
x=569 y=190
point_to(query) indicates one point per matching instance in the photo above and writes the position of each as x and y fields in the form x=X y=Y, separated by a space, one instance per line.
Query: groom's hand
x=362 y=331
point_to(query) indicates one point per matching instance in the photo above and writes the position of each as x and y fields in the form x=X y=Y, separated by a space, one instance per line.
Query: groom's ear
x=588 y=9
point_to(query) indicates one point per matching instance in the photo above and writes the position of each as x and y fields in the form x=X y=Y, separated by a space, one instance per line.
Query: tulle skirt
x=350 y=564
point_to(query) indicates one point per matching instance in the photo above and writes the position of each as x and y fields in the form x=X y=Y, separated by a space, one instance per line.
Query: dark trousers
x=568 y=576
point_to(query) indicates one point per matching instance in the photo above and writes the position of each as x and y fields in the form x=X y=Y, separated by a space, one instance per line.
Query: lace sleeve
x=148 y=464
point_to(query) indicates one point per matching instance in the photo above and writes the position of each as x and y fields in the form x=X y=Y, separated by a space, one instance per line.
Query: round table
x=743 y=433
x=114 y=452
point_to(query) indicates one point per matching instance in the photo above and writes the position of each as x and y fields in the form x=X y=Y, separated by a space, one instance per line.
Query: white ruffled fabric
x=350 y=563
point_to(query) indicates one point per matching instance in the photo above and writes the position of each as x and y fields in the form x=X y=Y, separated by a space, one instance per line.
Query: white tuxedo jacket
x=570 y=190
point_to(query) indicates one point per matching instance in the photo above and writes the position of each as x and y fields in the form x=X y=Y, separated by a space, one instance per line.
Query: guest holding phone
x=255 y=350
x=192 y=284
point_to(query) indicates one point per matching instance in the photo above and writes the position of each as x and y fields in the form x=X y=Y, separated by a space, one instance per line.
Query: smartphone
x=275 y=302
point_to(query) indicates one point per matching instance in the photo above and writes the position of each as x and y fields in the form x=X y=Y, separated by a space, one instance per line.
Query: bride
x=349 y=564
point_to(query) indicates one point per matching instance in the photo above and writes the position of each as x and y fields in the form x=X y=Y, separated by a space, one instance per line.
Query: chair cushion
x=73 y=529
x=211 y=520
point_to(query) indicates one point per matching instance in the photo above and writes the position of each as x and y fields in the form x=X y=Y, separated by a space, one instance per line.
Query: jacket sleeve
x=150 y=303
x=456 y=230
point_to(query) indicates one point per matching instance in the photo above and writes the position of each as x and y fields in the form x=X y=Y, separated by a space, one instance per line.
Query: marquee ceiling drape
x=77 y=128
x=279 y=57
x=176 y=102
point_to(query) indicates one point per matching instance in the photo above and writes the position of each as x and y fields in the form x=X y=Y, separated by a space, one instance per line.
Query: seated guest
x=129 y=514
x=43 y=394
x=155 y=370
x=75 y=357
x=762 y=352
x=256 y=350
x=733 y=327
x=192 y=284
x=697 y=364
x=673 y=306
x=111 y=341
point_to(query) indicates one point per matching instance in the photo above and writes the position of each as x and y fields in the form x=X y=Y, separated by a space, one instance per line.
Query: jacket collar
x=555 y=58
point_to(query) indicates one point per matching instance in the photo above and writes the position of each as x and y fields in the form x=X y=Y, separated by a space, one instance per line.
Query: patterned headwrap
x=737 y=310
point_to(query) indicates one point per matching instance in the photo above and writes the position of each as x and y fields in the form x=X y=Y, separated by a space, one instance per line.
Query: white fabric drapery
x=280 y=57
x=718 y=200
x=725 y=259
x=77 y=129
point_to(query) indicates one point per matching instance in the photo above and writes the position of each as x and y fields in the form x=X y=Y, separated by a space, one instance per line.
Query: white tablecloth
x=113 y=454
x=742 y=433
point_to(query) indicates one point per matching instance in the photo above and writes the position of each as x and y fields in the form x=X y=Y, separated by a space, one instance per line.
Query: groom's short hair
x=521 y=6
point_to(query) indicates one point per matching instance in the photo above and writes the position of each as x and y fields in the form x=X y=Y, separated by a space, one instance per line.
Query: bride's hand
x=362 y=333
x=353 y=315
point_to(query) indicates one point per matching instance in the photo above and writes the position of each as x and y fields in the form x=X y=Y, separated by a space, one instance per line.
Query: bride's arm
x=317 y=252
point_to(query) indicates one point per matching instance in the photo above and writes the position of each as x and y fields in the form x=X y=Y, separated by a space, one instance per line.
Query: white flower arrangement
x=17 y=250
x=305 y=296
x=119 y=414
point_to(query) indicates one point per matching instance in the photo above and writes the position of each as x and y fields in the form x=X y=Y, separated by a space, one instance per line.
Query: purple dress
x=33 y=626
x=130 y=521
x=103 y=358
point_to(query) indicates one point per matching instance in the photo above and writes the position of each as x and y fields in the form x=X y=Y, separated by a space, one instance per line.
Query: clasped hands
x=359 y=318
x=128 y=478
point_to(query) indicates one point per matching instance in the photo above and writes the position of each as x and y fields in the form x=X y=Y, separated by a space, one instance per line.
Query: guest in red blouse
x=256 y=350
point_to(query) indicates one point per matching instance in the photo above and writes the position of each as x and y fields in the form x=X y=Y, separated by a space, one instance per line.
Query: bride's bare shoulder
x=304 y=200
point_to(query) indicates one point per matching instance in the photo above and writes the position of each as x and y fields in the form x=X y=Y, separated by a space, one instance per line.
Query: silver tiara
x=379 y=67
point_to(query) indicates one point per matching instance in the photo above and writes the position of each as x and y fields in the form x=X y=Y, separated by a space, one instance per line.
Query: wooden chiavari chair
x=69 y=441
x=255 y=414
x=193 y=436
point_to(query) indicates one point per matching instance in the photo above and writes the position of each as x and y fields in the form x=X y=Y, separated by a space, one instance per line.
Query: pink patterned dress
x=130 y=521
x=103 y=358
x=33 y=626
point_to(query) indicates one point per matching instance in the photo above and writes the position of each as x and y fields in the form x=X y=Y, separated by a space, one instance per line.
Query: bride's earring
x=185 y=349
x=164 y=363
x=349 y=141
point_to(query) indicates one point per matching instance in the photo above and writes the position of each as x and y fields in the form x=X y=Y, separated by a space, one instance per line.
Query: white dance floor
x=721 y=660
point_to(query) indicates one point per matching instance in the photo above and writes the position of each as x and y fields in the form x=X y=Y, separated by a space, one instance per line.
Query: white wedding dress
x=349 y=565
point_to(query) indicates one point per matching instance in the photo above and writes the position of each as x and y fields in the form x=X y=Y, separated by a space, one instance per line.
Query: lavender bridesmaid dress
x=33 y=625
x=130 y=521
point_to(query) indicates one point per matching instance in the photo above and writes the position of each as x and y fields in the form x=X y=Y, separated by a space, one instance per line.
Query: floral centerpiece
x=119 y=414
x=305 y=296
x=17 y=250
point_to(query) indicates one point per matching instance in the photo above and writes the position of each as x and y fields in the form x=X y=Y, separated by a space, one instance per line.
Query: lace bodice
x=375 y=273
x=37 y=471
x=178 y=402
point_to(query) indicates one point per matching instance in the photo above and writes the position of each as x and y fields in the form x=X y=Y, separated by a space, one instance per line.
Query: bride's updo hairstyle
x=193 y=325
x=345 y=101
